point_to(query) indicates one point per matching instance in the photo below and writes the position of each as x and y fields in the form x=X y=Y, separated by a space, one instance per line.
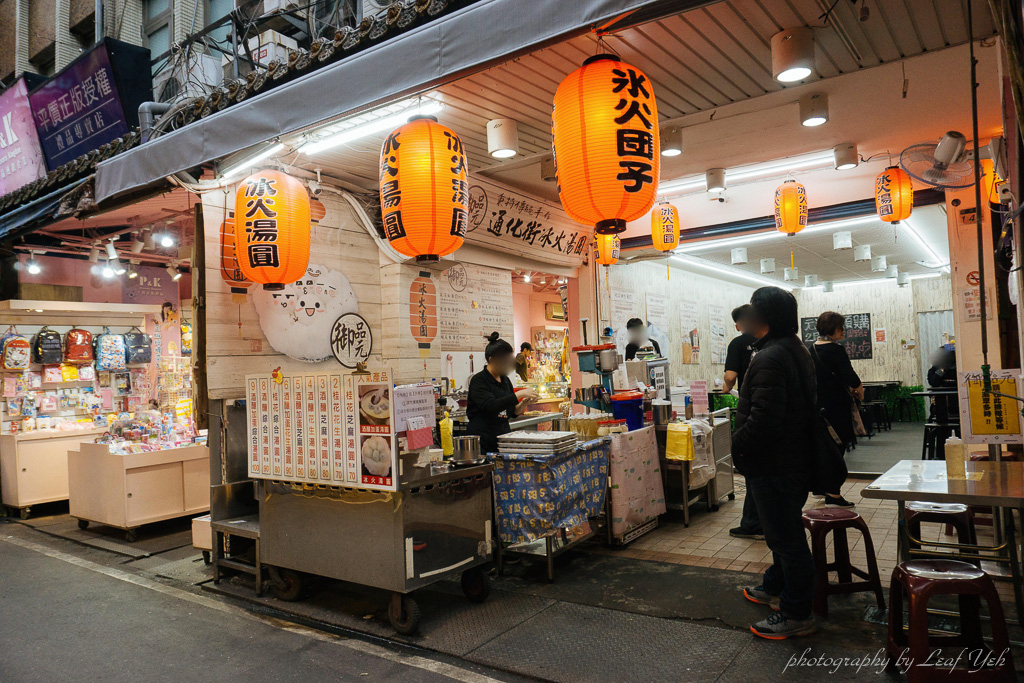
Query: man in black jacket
x=772 y=449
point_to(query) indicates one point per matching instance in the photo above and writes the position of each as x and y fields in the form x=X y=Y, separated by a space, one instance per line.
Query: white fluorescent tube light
x=878 y=280
x=729 y=271
x=385 y=123
x=706 y=245
x=921 y=243
x=823 y=159
x=252 y=161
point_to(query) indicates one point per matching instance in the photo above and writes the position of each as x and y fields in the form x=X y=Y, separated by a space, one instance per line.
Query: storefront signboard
x=513 y=223
x=21 y=157
x=152 y=286
x=472 y=302
x=986 y=417
x=92 y=101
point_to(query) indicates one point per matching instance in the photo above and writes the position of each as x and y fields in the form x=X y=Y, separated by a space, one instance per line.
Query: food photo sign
x=323 y=428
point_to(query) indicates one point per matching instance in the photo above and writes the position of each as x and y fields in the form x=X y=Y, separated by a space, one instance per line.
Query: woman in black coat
x=838 y=383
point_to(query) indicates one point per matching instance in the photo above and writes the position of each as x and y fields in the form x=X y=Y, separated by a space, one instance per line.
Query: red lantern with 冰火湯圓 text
x=894 y=195
x=272 y=228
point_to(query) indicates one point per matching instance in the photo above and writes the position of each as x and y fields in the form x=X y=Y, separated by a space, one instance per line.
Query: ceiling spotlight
x=166 y=240
x=108 y=272
x=814 y=109
x=116 y=265
x=902 y=279
x=792 y=54
x=862 y=252
x=111 y=249
x=767 y=266
x=739 y=256
x=714 y=179
x=94 y=254
x=672 y=142
x=810 y=280
x=137 y=243
x=878 y=264
x=790 y=274
x=547 y=168
x=842 y=240
x=826 y=286
x=543 y=280
x=149 y=240
x=132 y=271
x=845 y=156
x=173 y=271
x=526 y=278
x=502 y=138
x=892 y=271
x=32 y=265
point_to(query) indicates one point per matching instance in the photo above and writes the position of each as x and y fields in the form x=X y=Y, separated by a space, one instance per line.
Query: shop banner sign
x=152 y=286
x=508 y=221
x=92 y=101
x=21 y=157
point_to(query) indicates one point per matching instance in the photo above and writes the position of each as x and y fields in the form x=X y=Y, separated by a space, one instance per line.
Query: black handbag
x=828 y=468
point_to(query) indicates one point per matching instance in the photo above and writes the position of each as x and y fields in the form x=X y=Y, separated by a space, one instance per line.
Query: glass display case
x=548 y=354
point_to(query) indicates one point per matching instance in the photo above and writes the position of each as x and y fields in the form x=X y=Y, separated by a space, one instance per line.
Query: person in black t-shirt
x=638 y=338
x=492 y=399
x=737 y=358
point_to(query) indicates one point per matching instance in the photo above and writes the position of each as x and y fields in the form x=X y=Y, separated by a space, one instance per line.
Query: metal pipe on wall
x=99 y=20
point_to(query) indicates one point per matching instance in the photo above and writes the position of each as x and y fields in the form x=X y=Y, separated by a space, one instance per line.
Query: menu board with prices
x=324 y=428
x=473 y=301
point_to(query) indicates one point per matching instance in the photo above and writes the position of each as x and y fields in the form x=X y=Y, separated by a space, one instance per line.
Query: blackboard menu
x=858 y=334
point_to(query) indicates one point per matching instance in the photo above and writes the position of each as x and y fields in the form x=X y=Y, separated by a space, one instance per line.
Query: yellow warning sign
x=992 y=418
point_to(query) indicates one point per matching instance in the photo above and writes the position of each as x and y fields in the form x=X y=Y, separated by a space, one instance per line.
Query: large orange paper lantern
x=665 y=227
x=606 y=249
x=894 y=195
x=423 y=189
x=790 y=207
x=605 y=143
x=423 y=311
x=230 y=270
x=272 y=228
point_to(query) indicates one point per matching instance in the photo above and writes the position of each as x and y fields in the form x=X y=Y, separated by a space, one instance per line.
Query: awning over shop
x=42 y=211
x=468 y=40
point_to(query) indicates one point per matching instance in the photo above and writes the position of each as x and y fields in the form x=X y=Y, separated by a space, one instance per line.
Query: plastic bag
x=702 y=469
x=678 y=442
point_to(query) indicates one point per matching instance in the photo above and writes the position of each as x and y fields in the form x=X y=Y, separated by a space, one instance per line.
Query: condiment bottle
x=956 y=458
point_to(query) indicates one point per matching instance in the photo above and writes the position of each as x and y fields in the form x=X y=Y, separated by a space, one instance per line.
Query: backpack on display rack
x=47 y=348
x=186 y=338
x=138 y=347
x=110 y=351
x=15 y=351
x=78 y=346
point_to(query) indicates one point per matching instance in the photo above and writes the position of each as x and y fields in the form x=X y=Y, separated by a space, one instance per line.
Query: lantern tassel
x=668 y=272
x=606 y=278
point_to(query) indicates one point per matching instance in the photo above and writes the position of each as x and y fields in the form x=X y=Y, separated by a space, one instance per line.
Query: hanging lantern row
x=271 y=230
x=665 y=227
x=606 y=249
x=424 y=189
x=894 y=195
x=605 y=143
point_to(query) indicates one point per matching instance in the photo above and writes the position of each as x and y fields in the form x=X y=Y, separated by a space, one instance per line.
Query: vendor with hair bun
x=492 y=400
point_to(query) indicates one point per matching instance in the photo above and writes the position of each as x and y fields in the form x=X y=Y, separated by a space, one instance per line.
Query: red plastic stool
x=924 y=579
x=953 y=515
x=821 y=522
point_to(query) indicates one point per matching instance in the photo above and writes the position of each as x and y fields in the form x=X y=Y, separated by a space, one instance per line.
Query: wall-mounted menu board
x=858 y=334
x=473 y=301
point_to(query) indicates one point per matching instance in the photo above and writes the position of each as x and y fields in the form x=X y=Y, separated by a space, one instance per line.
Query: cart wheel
x=83 y=524
x=290 y=587
x=408 y=622
x=25 y=513
x=732 y=496
x=131 y=535
x=476 y=584
x=206 y=557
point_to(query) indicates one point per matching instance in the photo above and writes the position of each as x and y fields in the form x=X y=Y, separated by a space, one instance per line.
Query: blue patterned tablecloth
x=535 y=495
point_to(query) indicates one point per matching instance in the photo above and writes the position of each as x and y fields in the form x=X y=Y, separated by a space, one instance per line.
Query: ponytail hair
x=496 y=346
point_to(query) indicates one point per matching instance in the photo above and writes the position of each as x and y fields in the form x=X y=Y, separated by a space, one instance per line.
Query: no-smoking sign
x=973 y=279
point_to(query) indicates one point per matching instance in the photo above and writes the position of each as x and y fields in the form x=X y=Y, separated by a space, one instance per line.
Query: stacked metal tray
x=537 y=443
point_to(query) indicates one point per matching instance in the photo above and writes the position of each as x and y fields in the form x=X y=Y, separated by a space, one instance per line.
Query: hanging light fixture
x=767 y=266
x=790 y=207
x=738 y=256
x=902 y=279
x=878 y=264
x=94 y=254
x=547 y=168
x=137 y=243
x=826 y=286
x=502 y=138
x=892 y=272
x=111 y=250
x=174 y=272
x=672 y=142
x=108 y=272
x=32 y=266
x=894 y=195
x=810 y=280
x=814 y=109
x=714 y=179
x=792 y=54
x=606 y=249
x=845 y=156
x=791 y=274
x=424 y=190
x=665 y=227
x=526 y=278
x=272 y=228
x=862 y=252
x=167 y=240
x=606 y=146
x=842 y=240
x=133 y=270
x=149 y=240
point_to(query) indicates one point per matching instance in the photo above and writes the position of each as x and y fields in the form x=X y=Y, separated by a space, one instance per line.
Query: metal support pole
x=99 y=20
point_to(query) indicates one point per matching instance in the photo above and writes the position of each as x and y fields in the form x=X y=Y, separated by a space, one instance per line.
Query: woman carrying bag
x=839 y=387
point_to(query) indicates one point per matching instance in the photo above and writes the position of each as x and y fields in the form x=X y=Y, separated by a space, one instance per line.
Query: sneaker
x=761 y=597
x=837 y=502
x=779 y=627
x=738 y=532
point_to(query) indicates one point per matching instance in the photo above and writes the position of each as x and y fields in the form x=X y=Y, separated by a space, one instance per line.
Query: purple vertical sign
x=21 y=159
x=79 y=109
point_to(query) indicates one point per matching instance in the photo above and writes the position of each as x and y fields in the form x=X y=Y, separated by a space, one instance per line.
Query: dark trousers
x=780 y=499
x=750 y=523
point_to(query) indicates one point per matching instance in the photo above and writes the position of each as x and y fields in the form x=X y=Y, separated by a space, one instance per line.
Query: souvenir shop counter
x=129 y=489
x=34 y=466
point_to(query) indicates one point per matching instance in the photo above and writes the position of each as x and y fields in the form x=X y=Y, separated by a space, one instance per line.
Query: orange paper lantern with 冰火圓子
x=665 y=227
x=604 y=126
x=423 y=311
x=894 y=195
x=272 y=228
x=230 y=270
x=424 y=189
x=790 y=207
x=606 y=249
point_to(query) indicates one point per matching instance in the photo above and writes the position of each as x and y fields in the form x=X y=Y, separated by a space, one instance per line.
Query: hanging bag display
x=186 y=338
x=15 y=351
x=138 y=347
x=47 y=347
x=78 y=346
x=110 y=351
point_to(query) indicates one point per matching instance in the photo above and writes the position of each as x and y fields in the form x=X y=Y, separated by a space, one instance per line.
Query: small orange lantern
x=273 y=228
x=606 y=249
x=316 y=210
x=894 y=195
x=790 y=207
x=423 y=311
x=604 y=126
x=423 y=189
x=229 y=268
x=665 y=227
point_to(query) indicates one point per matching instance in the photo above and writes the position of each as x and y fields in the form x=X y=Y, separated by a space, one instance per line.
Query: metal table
x=996 y=484
x=533 y=421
